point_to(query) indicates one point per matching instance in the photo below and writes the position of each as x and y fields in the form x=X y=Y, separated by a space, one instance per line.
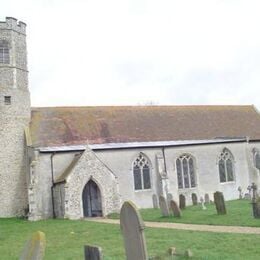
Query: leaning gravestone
x=182 y=201
x=164 y=206
x=155 y=201
x=93 y=253
x=132 y=228
x=175 y=209
x=34 y=249
x=206 y=199
x=256 y=208
x=194 y=199
x=220 y=203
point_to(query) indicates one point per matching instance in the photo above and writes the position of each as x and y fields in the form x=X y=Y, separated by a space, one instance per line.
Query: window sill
x=144 y=190
x=228 y=182
x=185 y=189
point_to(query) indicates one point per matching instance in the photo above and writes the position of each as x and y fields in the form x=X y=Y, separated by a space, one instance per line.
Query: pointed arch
x=186 y=176
x=4 y=52
x=91 y=198
x=226 y=166
x=142 y=172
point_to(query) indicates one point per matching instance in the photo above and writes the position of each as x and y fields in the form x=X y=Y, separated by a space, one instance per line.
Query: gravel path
x=208 y=228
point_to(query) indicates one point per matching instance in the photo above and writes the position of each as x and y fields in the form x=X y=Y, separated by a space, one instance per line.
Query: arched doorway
x=92 y=206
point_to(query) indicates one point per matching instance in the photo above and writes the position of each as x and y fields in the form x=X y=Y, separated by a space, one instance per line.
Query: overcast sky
x=128 y=52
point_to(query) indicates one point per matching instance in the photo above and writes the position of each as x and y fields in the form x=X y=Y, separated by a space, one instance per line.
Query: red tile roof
x=52 y=126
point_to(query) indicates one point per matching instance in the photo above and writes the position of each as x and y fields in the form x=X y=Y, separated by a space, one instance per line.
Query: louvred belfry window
x=4 y=52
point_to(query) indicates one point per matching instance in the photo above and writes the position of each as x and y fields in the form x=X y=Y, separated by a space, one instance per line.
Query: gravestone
x=164 y=206
x=202 y=203
x=220 y=203
x=247 y=196
x=249 y=188
x=175 y=209
x=256 y=208
x=240 y=192
x=155 y=201
x=194 y=199
x=207 y=200
x=169 y=198
x=254 y=191
x=182 y=201
x=132 y=228
x=93 y=253
x=34 y=249
x=255 y=202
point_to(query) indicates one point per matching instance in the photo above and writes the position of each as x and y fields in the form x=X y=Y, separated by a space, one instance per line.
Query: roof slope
x=68 y=170
x=52 y=126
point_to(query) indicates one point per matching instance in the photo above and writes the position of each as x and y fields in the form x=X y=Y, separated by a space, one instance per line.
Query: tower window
x=4 y=52
x=7 y=100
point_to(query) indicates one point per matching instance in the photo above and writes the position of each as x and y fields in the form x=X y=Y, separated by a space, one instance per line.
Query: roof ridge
x=141 y=106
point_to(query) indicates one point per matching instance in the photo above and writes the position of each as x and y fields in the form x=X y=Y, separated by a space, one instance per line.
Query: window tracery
x=185 y=171
x=225 y=166
x=141 y=171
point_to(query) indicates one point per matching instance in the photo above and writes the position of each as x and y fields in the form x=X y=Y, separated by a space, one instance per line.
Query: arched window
x=141 y=171
x=4 y=52
x=256 y=158
x=185 y=171
x=225 y=166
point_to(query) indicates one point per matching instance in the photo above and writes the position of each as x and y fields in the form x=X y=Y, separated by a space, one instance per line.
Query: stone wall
x=206 y=167
x=14 y=117
x=112 y=171
x=90 y=167
x=68 y=194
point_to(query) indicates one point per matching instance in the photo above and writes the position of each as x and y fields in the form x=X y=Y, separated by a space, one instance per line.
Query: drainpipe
x=165 y=169
x=164 y=160
x=52 y=186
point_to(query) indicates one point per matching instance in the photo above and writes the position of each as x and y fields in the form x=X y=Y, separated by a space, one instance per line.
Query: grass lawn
x=239 y=213
x=65 y=240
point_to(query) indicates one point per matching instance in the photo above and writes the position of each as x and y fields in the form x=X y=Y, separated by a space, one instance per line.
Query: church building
x=76 y=162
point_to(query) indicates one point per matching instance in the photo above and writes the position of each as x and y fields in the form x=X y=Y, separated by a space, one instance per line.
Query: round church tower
x=14 y=117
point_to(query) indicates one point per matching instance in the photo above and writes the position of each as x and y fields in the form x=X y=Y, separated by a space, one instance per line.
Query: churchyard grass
x=66 y=238
x=239 y=213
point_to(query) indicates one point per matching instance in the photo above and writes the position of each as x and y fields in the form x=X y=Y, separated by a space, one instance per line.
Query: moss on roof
x=51 y=126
